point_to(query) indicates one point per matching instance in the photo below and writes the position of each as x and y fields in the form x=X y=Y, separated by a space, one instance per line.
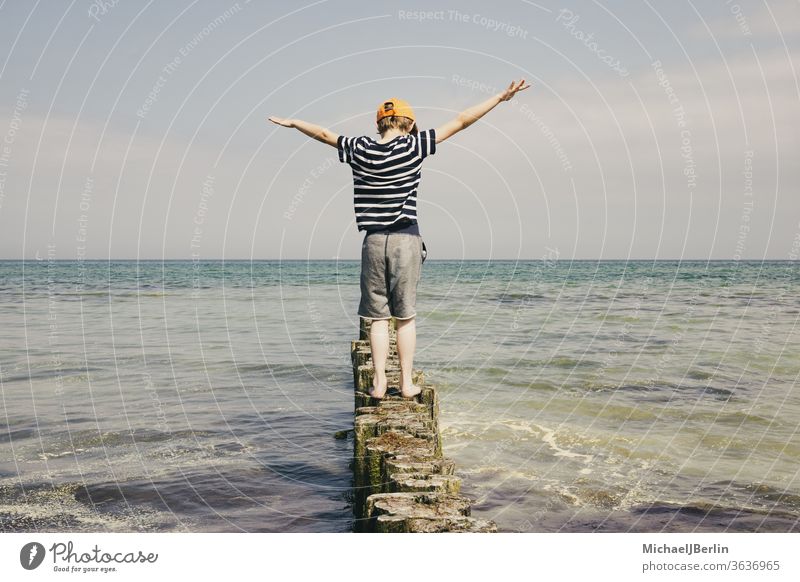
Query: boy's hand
x=512 y=90
x=282 y=122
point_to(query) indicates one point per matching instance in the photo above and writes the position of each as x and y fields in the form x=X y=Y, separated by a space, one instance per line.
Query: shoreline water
x=585 y=396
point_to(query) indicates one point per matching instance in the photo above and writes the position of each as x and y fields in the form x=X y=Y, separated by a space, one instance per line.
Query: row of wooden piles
x=403 y=483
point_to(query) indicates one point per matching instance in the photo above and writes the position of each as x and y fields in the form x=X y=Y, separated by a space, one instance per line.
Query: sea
x=576 y=396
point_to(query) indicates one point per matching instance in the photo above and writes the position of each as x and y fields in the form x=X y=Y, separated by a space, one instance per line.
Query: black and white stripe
x=386 y=176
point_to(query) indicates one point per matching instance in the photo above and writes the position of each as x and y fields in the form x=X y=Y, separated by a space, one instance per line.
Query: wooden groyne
x=403 y=483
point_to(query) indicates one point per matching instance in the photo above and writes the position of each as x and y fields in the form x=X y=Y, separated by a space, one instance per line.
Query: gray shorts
x=390 y=270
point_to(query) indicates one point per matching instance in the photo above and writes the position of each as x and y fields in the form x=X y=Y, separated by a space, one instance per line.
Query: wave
x=54 y=507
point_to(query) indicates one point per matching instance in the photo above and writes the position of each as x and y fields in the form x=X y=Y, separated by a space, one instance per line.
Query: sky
x=651 y=130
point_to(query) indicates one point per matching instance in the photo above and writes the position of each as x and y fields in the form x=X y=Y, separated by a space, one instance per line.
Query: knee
x=379 y=326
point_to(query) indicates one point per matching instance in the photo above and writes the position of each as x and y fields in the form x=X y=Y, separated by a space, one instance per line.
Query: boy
x=386 y=173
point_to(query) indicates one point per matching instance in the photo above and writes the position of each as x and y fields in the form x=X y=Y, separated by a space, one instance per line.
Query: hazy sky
x=658 y=129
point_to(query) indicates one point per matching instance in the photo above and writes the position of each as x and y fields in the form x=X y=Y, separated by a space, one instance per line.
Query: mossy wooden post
x=402 y=481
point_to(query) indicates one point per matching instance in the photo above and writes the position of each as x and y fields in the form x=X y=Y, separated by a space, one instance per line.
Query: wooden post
x=403 y=483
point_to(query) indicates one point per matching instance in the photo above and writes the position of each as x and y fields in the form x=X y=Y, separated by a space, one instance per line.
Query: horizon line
x=191 y=260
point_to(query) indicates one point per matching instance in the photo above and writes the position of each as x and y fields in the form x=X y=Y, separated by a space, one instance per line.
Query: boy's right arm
x=473 y=114
x=318 y=132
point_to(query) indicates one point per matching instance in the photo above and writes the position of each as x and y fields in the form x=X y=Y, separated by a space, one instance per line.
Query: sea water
x=575 y=395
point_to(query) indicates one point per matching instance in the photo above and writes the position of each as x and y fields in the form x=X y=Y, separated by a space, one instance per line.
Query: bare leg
x=379 y=342
x=406 y=344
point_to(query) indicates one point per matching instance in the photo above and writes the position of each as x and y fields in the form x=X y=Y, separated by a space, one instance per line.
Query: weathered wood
x=419 y=464
x=413 y=482
x=423 y=512
x=402 y=481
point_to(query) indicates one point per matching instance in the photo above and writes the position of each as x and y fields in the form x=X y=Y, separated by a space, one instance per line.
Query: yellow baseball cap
x=394 y=106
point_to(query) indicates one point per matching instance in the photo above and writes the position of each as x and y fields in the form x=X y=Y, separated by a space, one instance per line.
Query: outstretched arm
x=317 y=132
x=473 y=114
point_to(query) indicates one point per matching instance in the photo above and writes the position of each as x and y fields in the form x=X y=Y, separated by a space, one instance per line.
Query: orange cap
x=397 y=107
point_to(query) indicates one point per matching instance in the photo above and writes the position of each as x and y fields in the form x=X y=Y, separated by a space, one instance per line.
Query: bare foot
x=412 y=392
x=379 y=386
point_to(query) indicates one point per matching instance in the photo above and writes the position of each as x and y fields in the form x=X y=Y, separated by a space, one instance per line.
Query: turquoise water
x=576 y=396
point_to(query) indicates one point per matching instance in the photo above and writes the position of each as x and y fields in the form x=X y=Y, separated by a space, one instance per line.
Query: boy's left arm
x=319 y=133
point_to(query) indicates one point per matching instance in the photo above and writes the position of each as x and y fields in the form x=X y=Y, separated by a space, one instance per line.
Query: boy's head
x=396 y=113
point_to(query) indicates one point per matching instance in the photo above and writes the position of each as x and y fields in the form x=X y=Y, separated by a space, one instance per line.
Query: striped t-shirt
x=386 y=177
